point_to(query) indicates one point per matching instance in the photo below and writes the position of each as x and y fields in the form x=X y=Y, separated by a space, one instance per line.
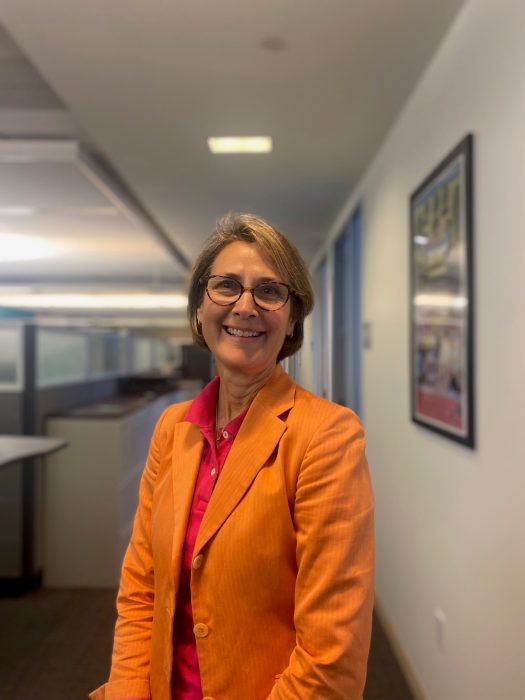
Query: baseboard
x=410 y=674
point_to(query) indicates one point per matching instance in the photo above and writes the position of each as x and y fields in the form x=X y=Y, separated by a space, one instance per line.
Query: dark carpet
x=56 y=645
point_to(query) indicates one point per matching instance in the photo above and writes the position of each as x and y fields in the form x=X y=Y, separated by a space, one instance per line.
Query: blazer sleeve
x=130 y=662
x=333 y=516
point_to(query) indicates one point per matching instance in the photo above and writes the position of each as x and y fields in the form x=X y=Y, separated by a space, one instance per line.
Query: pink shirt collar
x=202 y=411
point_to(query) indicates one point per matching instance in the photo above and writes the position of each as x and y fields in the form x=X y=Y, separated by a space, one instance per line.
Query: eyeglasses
x=226 y=291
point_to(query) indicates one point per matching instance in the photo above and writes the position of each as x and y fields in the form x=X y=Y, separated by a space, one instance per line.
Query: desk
x=16 y=447
x=18 y=572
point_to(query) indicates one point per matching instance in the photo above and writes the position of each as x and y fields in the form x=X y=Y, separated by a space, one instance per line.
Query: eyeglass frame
x=205 y=280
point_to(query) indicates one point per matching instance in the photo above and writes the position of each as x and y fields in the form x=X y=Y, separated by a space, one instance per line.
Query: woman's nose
x=245 y=304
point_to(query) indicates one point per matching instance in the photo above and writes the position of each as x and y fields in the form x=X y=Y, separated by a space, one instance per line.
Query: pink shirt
x=186 y=682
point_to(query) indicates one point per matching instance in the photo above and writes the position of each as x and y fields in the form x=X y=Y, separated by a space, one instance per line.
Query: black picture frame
x=442 y=298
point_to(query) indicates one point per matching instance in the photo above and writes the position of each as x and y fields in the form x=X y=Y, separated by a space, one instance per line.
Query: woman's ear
x=290 y=328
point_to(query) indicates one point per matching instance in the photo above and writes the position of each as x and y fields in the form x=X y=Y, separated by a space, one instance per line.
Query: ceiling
x=144 y=84
x=51 y=190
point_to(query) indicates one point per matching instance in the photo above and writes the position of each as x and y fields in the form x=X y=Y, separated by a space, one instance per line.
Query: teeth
x=242 y=334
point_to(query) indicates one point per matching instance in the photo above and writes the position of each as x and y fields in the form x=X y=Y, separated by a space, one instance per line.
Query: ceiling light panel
x=143 y=302
x=240 y=144
x=20 y=248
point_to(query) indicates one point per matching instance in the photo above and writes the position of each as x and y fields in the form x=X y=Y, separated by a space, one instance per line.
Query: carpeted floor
x=56 y=645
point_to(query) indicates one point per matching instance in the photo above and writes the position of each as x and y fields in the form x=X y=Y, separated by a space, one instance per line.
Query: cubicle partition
x=47 y=371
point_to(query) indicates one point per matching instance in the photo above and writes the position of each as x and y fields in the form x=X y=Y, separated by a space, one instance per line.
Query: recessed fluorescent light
x=16 y=247
x=119 y=302
x=240 y=144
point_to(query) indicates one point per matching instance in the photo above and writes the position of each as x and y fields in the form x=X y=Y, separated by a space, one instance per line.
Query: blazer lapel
x=258 y=437
x=188 y=444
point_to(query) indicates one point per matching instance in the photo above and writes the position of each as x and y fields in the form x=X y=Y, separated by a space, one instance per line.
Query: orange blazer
x=282 y=580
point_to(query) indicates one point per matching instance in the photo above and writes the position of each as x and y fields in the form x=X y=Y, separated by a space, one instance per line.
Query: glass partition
x=62 y=357
x=67 y=355
x=105 y=355
x=142 y=355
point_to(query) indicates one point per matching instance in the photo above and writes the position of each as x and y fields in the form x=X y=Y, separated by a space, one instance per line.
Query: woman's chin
x=242 y=363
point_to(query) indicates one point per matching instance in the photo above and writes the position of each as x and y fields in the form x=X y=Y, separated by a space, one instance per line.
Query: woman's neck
x=236 y=391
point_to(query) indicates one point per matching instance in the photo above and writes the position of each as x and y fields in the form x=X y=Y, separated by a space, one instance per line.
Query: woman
x=257 y=584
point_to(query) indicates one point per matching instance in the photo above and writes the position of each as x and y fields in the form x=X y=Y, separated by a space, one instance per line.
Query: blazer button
x=200 y=630
x=197 y=562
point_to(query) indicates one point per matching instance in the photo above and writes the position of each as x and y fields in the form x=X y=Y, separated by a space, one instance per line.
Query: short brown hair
x=282 y=253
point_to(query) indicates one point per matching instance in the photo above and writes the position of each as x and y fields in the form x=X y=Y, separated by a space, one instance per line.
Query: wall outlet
x=440 y=620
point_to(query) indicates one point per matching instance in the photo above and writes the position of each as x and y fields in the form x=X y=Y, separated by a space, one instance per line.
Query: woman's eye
x=226 y=285
x=270 y=291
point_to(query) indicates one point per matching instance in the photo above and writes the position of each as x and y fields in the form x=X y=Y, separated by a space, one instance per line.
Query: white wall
x=451 y=521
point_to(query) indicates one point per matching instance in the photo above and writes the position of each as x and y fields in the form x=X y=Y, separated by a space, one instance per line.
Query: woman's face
x=250 y=355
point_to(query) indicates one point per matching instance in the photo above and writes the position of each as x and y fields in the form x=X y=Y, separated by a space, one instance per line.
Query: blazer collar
x=258 y=437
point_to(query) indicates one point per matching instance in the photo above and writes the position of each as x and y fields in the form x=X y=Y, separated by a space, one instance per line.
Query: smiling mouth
x=238 y=333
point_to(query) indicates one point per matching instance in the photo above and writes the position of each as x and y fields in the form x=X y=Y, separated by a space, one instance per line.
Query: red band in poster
x=444 y=408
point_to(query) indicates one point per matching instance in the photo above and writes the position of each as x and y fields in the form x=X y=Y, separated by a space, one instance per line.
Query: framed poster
x=441 y=300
